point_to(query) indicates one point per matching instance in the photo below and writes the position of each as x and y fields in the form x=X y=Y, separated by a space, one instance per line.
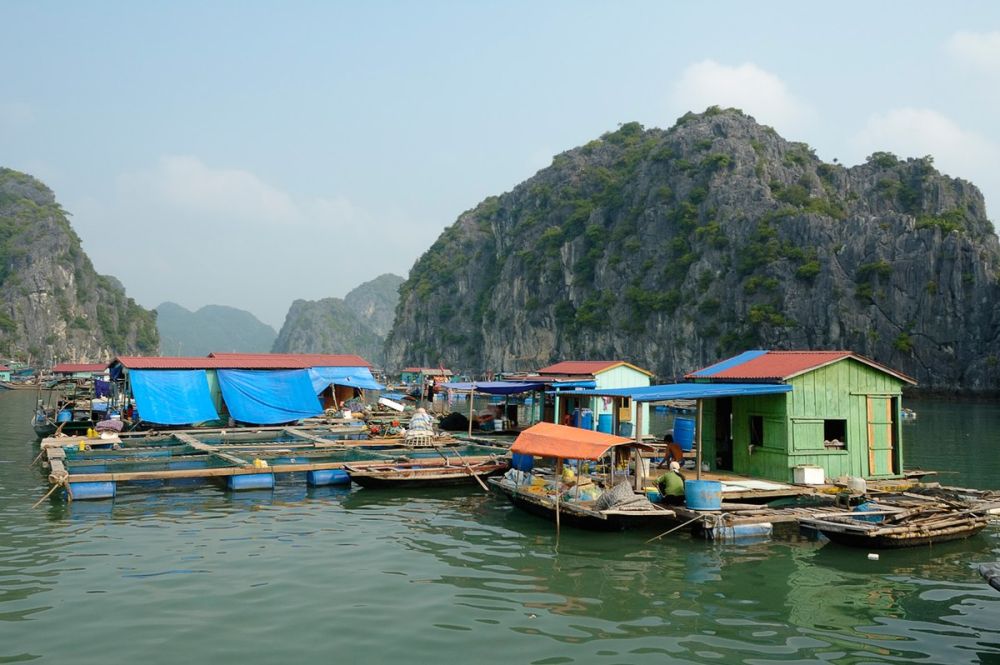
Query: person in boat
x=421 y=421
x=674 y=452
x=485 y=418
x=671 y=485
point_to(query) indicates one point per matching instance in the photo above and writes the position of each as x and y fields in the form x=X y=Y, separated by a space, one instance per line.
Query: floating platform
x=92 y=468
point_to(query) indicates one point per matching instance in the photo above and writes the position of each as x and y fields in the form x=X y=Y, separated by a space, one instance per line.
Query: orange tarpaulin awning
x=551 y=440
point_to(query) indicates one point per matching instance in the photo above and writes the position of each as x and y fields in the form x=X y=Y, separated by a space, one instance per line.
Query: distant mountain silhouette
x=358 y=323
x=211 y=328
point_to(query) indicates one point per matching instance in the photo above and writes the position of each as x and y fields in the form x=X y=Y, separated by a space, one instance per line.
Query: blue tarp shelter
x=356 y=377
x=172 y=397
x=269 y=397
x=495 y=387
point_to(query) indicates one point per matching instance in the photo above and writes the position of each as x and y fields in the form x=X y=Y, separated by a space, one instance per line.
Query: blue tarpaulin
x=573 y=385
x=357 y=377
x=269 y=397
x=172 y=397
x=688 y=391
x=495 y=387
x=735 y=361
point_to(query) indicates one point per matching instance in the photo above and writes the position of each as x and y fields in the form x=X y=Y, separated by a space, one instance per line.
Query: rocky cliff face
x=375 y=302
x=358 y=323
x=211 y=328
x=53 y=305
x=673 y=249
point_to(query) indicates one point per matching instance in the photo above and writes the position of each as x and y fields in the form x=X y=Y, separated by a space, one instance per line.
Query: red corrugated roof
x=783 y=365
x=308 y=359
x=243 y=361
x=588 y=367
x=71 y=368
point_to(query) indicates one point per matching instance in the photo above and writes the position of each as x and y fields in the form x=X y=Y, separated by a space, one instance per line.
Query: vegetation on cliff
x=673 y=248
x=53 y=305
x=357 y=324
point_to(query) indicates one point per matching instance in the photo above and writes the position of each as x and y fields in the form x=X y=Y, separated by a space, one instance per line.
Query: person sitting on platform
x=671 y=485
x=421 y=421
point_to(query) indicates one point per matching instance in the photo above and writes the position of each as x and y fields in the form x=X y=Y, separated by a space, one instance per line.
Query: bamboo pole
x=558 y=492
x=698 y=440
x=472 y=391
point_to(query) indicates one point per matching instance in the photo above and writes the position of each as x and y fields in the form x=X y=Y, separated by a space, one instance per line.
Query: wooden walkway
x=243 y=453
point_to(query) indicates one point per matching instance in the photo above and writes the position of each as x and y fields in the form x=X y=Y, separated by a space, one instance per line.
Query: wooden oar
x=468 y=468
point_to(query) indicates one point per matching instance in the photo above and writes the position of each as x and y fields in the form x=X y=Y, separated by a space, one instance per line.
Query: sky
x=253 y=153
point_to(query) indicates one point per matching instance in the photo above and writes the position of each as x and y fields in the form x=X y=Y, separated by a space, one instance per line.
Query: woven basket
x=418 y=438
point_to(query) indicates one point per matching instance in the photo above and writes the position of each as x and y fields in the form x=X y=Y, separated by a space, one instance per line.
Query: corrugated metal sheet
x=590 y=367
x=685 y=391
x=242 y=361
x=302 y=359
x=782 y=365
x=70 y=368
x=430 y=371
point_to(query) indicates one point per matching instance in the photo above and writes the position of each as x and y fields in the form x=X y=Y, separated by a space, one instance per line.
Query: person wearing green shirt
x=671 y=485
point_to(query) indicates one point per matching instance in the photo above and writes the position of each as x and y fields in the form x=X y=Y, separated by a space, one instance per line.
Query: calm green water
x=194 y=574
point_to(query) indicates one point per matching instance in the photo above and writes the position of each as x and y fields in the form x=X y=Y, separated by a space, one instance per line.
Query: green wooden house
x=842 y=415
x=566 y=378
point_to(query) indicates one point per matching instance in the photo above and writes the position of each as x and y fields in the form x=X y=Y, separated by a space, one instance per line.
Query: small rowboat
x=991 y=573
x=417 y=475
x=855 y=533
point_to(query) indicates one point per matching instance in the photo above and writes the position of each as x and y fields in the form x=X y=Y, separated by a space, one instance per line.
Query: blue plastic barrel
x=703 y=494
x=251 y=481
x=64 y=416
x=684 y=433
x=586 y=419
x=761 y=531
x=604 y=423
x=522 y=462
x=576 y=418
x=328 y=477
x=92 y=490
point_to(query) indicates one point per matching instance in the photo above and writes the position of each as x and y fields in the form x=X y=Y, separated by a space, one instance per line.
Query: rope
x=680 y=526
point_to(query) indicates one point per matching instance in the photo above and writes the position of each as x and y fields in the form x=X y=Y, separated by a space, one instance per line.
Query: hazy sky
x=250 y=153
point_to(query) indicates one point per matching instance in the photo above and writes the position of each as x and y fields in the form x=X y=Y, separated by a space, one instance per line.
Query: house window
x=757 y=430
x=835 y=434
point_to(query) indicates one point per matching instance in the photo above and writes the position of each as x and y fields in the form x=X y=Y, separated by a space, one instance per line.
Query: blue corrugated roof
x=735 y=361
x=688 y=391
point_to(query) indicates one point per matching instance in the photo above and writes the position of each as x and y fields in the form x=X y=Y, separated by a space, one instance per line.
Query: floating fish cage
x=89 y=468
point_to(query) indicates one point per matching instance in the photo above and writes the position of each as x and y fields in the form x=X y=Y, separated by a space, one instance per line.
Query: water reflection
x=453 y=573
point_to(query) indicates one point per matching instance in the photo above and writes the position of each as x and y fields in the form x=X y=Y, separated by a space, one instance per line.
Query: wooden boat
x=65 y=406
x=407 y=475
x=583 y=515
x=910 y=522
x=562 y=443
